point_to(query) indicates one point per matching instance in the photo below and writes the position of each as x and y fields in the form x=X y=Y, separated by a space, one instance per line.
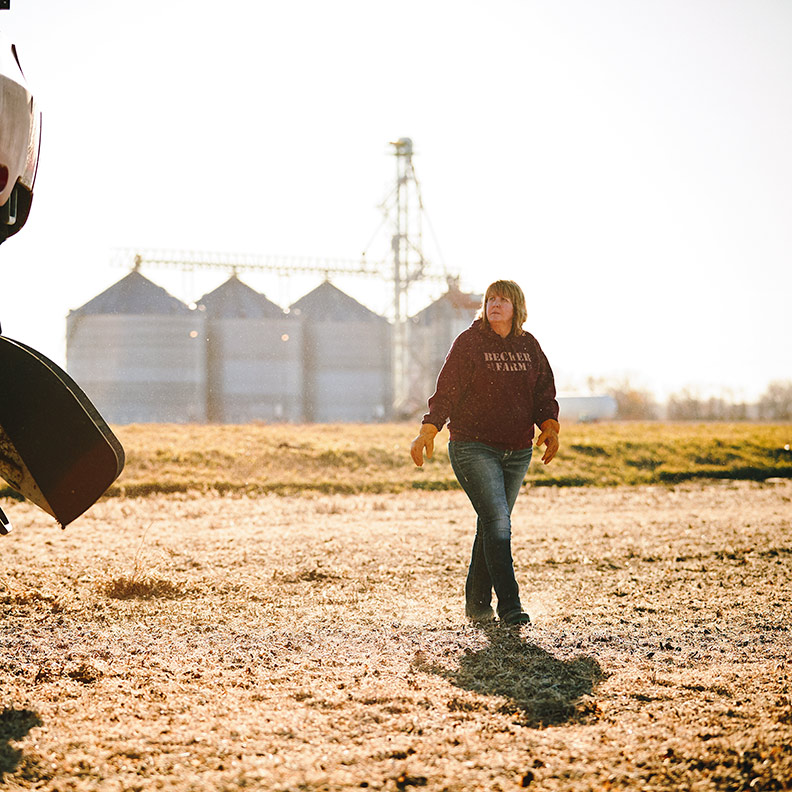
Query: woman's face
x=500 y=310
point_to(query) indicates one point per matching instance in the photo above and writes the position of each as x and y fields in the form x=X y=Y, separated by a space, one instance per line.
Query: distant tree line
x=637 y=404
x=686 y=406
x=775 y=403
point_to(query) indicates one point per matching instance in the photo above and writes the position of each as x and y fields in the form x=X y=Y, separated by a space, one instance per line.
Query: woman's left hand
x=549 y=438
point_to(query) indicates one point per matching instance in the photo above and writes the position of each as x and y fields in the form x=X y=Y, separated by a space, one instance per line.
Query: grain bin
x=254 y=356
x=139 y=354
x=346 y=358
x=430 y=335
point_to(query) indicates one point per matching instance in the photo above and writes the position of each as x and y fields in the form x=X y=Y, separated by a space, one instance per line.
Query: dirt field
x=317 y=643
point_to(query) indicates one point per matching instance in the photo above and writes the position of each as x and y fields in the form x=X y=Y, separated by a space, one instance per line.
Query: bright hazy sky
x=629 y=162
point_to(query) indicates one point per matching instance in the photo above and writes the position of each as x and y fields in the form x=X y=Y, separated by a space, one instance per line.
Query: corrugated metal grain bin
x=254 y=357
x=430 y=335
x=139 y=354
x=346 y=358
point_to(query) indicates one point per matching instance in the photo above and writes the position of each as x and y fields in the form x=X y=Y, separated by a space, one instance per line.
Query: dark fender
x=55 y=447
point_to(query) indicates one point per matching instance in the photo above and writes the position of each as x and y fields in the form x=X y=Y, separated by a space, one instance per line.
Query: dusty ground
x=317 y=643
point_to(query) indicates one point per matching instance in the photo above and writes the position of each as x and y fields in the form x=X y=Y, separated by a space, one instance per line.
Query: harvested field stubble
x=316 y=642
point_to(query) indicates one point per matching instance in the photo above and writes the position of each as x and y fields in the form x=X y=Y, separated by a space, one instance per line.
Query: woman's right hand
x=424 y=440
x=549 y=438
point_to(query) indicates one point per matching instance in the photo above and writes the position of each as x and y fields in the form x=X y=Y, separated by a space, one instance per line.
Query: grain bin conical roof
x=236 y=300
x=328 y=303
x=454 y=303
x=133 y=294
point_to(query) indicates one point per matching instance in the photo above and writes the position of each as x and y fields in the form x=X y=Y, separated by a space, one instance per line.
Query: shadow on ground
x=544 y=690
x=14 y=725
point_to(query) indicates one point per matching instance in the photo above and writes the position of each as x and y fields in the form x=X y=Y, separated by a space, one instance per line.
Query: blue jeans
x=491 y=479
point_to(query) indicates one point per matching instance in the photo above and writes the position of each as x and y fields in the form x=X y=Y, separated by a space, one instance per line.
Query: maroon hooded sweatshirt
x=493 y=390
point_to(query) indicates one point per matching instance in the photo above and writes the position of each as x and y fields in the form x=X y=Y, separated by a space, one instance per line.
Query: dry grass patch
x=140 y=582
x=374 y=458
x=141 y=586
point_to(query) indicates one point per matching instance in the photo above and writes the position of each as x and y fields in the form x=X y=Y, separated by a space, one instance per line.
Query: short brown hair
x=512 y=292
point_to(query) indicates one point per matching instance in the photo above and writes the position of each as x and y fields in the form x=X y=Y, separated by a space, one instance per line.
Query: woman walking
x=494 y=387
